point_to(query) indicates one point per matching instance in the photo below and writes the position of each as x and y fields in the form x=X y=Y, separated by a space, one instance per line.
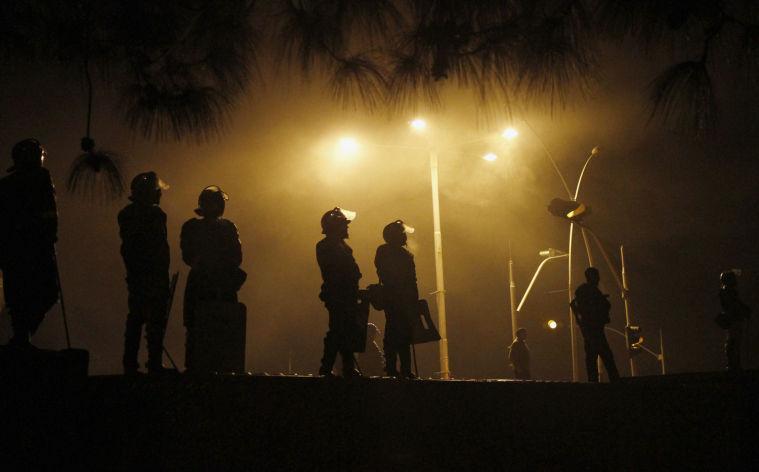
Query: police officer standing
x=397 y=274
x=28 y=232
x=145 y=250
x=734 y=316
x=211 y=247
x=591 y=309
x=519 y=356
x=339 y=291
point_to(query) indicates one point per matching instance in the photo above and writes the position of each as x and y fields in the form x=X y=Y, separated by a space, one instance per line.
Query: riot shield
x=423 y=330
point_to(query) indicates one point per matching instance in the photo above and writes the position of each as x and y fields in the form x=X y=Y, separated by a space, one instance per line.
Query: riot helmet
x=728 y=278
x=592 y=275
x=336 y=221
x=27 y=154
x=397 y=233
x=146 y=188
x=211 y=202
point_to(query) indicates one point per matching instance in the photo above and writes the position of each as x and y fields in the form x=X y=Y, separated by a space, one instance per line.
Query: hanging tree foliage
x=180 y=66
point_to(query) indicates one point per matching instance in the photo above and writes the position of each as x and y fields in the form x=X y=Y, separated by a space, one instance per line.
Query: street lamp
x=510 y=134
x=419 y=125
x=347 y=146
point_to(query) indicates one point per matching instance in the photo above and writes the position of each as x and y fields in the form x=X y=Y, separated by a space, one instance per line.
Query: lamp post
x=572 y=330
x=420 y=125
x=347 y=146
x=572 y=197
x=445 y=371
x=512 y=295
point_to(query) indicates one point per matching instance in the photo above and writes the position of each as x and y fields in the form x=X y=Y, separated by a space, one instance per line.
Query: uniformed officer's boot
x=21 y=331
x=155 y=349
x=404 y=354
x=391 y=357
x=132 y=335
x=328 y=359
x=349 y=365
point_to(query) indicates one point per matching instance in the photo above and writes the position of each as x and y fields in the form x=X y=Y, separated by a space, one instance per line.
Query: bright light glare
x=490 y=157
x=552 y=324
x=418 y=124
x=510 y=133
x=347 y=146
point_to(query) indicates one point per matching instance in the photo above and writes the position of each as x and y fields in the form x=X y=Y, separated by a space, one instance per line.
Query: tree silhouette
x=180 y=66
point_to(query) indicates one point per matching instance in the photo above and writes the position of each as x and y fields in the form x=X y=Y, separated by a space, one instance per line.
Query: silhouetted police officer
x=339 y=291
x=28 y=232
x=145 y=250
x=397 y=274
x=735 y=315
x=519 y=355
x=591 y=308
x=211 y=247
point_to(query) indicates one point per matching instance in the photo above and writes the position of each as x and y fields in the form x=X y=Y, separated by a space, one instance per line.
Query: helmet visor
x=349 y=215
x=161 y=184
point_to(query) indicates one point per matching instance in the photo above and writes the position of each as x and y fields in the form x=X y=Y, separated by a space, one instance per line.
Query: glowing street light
x=347 y=146
x=490 y=157
x=510 y=134
x=552 y=324
x=418 y=124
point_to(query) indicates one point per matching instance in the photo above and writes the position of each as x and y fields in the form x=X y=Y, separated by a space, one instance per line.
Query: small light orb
x=510 y=133
x=418 y=124
x=347 y=146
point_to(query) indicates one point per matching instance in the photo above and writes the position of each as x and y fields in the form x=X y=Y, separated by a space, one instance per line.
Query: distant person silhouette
x=339 y=291
x=733 y=318
x=397 y=274
x=591 y=309
x=519 y=355
x=372 y=361
x=28 y=232
x=145 y=250
x=211 y=247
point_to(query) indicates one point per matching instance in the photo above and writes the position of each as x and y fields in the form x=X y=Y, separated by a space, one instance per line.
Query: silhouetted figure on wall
x=734 y=316
x=397 y=274
x=372 y=361
x=519 y=355
x=28 y=232
x=339 y=291
x=145 y=250
x=211 y=247
x=591 y=309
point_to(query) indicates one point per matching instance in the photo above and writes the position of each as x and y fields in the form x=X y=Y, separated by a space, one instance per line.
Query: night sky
x=683 y=206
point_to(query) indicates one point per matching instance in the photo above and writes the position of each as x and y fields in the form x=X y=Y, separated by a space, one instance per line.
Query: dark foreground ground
x=678 y=422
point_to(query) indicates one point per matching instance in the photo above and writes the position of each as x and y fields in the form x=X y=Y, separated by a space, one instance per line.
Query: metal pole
x=535 y=276
x=661 y=353
x=594 y=152
x=571 y=315
x=445 y=372
x=599 y=363
x=512 y=295
x=625 y=289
